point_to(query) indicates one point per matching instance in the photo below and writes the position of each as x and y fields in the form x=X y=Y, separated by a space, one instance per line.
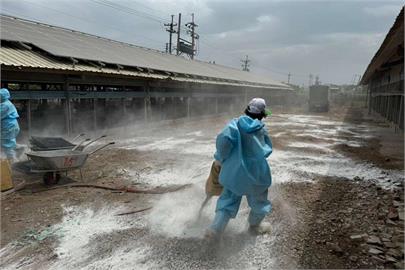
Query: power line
x=151 y=9
x=82 y=19
x=272 y=70
x=149 y=16
x=129 y=10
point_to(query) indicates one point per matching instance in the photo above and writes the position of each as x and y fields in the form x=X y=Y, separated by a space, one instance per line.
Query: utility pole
x=167 y=47
x=191 y=26
x=171 y=31
x=289 y=76
x=245 y=63
x=311 y=77
x=317 y=80
x=178 y=35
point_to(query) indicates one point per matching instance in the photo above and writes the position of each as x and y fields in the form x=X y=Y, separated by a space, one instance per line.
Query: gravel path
x=324 y=192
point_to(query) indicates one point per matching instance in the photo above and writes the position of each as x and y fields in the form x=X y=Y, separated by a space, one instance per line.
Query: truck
x=318 y=98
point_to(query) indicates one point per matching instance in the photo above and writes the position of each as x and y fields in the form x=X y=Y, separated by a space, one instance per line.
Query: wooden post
x=29 y=117
x=175 y=102
x=160 y=108
x=145 y=110
x=368 y=99
x=124 y=108
x=400 y=113
x=68 y=111
x=387 y=108
x=95 y=100
x=69 y=107
x=146 y=101
x=188 y=106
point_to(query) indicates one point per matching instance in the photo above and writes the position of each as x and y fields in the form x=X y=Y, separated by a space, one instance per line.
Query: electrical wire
x=156 y=19
x=272 y=70
x=129 y=10
x=86 y=20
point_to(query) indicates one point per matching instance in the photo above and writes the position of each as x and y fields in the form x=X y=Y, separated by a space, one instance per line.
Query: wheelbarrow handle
x=96 y=139
x=98 y=149
x=78 y=136
x=74 y=148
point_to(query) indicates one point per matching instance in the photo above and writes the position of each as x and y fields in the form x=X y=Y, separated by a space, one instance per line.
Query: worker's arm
x=226 y=141
x=269 y=144
x=224 y=148
x=4 y=109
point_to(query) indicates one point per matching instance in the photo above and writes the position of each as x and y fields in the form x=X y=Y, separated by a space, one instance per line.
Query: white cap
x=257 y=106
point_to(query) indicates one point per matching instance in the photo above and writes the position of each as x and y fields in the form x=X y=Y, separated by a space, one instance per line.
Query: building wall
x=386 y=95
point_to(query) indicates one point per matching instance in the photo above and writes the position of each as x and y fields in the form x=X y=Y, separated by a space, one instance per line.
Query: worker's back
x=8 y=111
x=245 y=171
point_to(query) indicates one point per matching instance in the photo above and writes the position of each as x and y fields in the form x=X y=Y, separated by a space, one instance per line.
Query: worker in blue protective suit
x=9 y=125
x=241 y=149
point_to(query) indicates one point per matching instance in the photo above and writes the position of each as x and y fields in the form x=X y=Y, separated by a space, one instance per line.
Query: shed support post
x=68 y=113
x=29 y=117
x=401 y=113
x=188 y=106
x=146 y=101
x=69 y=107
x=95 y=101
x=124 y=108
x=174 y=103
x=387 y=109
x=160 y=108
x=145 y=110
x=368 y=100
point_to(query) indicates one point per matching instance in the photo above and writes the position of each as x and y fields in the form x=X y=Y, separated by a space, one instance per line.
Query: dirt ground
x=337 y=195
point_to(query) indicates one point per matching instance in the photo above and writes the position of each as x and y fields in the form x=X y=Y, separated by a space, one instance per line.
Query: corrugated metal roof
x=30 y=59
x=68 y=43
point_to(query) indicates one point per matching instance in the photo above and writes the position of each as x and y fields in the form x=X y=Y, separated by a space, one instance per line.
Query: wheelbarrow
x=53 y=163
x=59 y=143
x=52 y=143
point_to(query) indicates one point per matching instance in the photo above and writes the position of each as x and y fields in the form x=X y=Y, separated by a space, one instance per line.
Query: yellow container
x=5 y=173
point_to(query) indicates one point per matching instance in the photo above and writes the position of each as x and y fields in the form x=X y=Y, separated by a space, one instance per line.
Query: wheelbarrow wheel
x=51 y=178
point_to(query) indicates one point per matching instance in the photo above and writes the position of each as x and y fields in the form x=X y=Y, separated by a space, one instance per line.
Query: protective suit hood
x=249 y=125
x=4 y=94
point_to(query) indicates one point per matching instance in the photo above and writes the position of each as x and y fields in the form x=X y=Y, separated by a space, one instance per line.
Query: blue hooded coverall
x=242 y=149
x=9 y=124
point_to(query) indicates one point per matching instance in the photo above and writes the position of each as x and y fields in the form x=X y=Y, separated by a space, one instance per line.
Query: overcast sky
x=333 y=39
